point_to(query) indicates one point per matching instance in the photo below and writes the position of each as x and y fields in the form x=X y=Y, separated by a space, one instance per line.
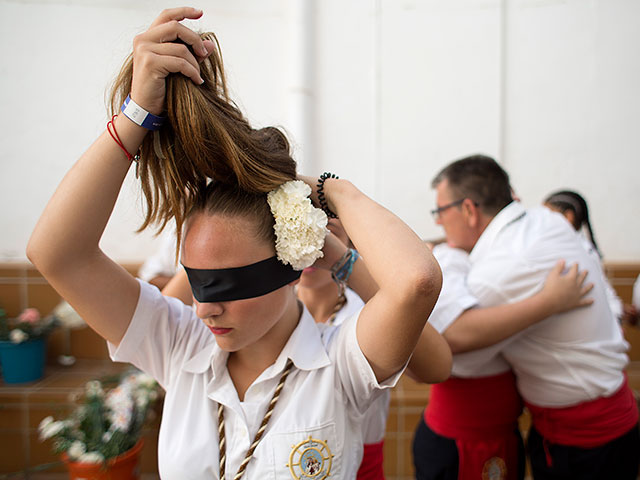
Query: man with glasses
x=569 y=368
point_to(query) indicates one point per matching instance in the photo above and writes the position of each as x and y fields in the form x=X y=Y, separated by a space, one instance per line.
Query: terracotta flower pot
x=122 y=467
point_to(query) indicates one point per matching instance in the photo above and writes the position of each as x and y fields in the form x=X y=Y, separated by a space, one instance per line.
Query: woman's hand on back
x=156 y=54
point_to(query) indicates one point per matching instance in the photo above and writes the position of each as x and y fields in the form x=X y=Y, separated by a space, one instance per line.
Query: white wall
x=398 y=89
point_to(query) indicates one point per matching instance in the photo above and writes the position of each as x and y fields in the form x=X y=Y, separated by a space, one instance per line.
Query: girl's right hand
x=156 y=55
x=564 y=292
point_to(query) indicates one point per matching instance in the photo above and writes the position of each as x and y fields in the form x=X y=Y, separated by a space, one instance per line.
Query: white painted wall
x=396 y=90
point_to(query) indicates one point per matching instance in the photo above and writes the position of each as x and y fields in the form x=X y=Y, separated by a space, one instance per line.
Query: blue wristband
x=140 y=116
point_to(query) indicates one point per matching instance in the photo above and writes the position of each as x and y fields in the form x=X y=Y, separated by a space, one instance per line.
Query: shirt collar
x=505 y=217
x=304 y=347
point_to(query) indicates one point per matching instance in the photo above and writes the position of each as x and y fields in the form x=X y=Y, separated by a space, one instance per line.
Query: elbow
x=32 y=252
x=444 y=373
x=426 y=286
x=42 y=256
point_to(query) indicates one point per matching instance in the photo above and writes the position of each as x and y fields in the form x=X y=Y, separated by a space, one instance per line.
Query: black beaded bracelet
x=321 y=200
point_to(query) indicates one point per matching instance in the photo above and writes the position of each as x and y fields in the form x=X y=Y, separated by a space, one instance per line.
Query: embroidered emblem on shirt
x=494 y=469
x=310 y=459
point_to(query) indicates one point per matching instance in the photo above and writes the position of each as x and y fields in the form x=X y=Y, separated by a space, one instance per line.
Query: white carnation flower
x=300 y=227
x=50 y=429
x=76 y=450
x=91 y=457
x=17 y=336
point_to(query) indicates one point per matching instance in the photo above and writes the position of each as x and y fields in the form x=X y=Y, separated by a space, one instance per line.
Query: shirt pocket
x=310 y=453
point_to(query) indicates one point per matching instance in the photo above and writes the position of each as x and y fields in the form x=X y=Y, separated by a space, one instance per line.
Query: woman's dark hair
x=480 y=179
x=565 y=200
x=205 y=138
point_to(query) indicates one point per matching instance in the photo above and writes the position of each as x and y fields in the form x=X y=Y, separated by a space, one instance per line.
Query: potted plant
x=100 y=439
x=23 y=345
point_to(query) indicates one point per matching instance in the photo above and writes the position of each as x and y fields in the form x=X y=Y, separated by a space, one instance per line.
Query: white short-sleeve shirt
x=321 y=406
x=374 y=424
x=454 y=299
x=570 y=357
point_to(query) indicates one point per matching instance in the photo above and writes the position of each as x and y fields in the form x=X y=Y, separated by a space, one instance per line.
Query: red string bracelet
x=111 y=128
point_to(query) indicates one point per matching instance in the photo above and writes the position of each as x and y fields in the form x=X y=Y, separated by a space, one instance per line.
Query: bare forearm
x=406 y=274
x=75 y=217
x=385 y=242
x=431 y=360
x=482 y=327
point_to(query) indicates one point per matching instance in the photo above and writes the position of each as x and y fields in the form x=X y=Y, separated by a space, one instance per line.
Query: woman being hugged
x=253 y=387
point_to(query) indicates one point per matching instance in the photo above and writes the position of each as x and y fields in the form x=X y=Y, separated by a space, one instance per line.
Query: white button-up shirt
x=374 y=424
x=319 y=412
x=454 y=299
x=570 y=357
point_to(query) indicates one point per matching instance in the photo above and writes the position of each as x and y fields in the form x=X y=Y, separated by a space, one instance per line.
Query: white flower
x=17 y=336
x=300 y=227
x=146 y=381
x=50 y=428
x=91 y=457
x=120 y=403
x=142 y=399
x=94 y=389
x=67 y=316
x=76 y=450
x=45 y=423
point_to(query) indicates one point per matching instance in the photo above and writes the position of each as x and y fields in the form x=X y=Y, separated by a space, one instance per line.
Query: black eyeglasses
x=436 y=212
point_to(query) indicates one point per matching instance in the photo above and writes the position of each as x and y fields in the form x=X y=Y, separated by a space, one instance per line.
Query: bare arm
x=433 y=353
x=431 y=361
x=408 y=277
x=178 y=287
x=481 y=327
x=64 y=243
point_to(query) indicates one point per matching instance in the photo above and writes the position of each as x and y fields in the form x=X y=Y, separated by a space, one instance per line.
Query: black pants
x=436 y=457
x=616 y=460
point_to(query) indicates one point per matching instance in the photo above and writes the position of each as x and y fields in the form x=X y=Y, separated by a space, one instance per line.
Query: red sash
x=481 y=415
x=588 y=424
x=371 y=466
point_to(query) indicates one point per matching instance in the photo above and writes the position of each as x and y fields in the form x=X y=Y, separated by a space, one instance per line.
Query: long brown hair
x=205 y=138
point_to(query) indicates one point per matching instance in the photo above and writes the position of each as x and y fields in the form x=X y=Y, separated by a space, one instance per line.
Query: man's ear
x=471 y=212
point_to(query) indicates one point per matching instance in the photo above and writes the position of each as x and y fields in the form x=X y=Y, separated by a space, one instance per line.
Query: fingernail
x=203 y=51
x=201 y=81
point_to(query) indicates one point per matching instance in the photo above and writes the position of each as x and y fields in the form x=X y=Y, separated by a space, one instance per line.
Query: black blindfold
x=226 y=284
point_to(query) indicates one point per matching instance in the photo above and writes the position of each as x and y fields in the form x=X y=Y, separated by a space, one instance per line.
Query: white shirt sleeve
x=358 y=380
x=163 y=334
x=455 y=296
